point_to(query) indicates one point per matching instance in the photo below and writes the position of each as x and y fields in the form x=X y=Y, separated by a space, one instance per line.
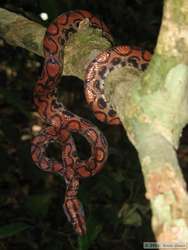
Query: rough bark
x=154 y=112
x=79 y=50
x=152 y=106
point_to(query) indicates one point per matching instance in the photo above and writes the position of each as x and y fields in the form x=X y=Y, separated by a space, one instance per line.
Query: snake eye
x=77 y=24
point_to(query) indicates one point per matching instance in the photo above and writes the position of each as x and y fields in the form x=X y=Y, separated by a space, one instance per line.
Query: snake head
x=75 y=215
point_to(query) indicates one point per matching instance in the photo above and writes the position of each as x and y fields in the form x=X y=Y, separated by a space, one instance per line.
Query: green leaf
x=130 y=215
x=12 y=229
x=133 y=219
x=93 y=229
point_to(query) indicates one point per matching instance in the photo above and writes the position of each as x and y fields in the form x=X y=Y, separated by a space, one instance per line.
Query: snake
x=60 y=123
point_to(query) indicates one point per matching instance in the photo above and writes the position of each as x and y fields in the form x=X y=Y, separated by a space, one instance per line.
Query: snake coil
x=61 y=123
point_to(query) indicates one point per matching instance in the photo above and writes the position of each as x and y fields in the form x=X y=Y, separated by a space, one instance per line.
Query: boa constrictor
x=61 y=122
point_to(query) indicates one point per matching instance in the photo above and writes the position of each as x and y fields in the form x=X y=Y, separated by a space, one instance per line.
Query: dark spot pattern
x=102 y=72
x=101 y=103
x=112 y=113
x=144 y=66
x=133 y=61
x=60 y=123
x=115 y=61
x=97 y=84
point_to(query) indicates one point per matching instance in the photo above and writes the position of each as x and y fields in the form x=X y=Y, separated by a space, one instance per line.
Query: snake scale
x=61 y=123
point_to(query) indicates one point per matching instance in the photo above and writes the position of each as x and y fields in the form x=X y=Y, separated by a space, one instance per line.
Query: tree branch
x=20 y=31
x=81 y=48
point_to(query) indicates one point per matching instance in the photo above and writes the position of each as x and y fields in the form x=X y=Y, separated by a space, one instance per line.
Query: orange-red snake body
x=61 y=122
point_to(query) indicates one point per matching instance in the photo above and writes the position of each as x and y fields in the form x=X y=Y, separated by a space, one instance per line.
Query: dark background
x=31 y=215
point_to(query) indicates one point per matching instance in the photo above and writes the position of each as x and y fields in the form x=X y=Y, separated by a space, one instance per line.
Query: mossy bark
x=154 y=110
x=152 y=105
x=79 y=50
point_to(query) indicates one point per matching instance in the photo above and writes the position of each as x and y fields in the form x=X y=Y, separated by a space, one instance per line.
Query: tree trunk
x=153 y=106
x=154 y=110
